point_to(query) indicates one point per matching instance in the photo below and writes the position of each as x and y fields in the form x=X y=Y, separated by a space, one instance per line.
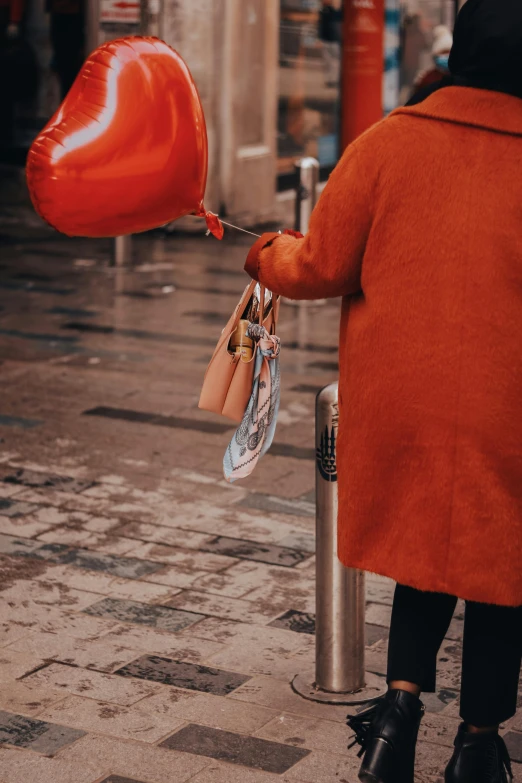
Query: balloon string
x=231 y=225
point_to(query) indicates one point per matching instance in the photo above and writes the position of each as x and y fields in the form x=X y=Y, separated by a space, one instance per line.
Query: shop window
x=309 y=94
x=310 y=71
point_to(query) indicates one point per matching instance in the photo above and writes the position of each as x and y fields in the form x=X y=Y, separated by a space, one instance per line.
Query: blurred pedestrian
x=11 y=13
x=68 y=40
x=330 y=22
x=442 y=43
x=419 y=229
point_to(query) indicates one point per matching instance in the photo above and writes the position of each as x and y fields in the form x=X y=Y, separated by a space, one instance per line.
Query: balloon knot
x=214 y=224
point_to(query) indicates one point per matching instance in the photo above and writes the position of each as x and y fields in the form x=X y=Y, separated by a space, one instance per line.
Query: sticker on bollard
x=326 y=461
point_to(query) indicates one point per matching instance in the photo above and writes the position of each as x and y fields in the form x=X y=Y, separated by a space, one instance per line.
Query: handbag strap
x=262 y=296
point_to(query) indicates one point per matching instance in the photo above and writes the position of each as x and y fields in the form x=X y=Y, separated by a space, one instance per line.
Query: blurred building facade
x=268 y=72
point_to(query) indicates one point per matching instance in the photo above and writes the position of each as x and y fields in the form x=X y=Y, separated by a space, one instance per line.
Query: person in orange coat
x=420 y=231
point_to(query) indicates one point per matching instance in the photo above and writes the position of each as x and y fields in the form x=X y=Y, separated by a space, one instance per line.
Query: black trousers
x=492 y=651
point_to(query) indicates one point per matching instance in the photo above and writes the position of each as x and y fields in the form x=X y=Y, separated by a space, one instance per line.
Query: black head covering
x=487 y=49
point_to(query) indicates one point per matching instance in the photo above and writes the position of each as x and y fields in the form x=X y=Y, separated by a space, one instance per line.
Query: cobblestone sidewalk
x=152 y=617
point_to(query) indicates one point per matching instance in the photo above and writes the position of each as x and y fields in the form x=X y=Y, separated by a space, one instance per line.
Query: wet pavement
x=151 y=616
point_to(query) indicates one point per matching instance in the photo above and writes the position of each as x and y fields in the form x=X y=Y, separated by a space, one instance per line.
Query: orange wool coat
x=420 y=230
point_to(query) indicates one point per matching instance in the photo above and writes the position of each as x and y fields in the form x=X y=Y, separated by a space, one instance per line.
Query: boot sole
x=369 y=777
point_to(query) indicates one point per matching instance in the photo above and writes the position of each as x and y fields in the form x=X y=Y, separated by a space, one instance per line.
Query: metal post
x=340 y=676
x=122 y=251
x=307 y=170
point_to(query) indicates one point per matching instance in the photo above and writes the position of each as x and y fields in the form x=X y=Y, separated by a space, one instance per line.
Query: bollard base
x=304 y=685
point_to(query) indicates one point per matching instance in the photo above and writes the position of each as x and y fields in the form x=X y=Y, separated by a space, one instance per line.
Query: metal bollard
x=307 y=170
x=340 y=676
x=306 y=197
x=122 y=251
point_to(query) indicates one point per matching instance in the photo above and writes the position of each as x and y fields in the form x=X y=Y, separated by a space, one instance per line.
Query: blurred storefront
x=268 y=71
x=309 y=85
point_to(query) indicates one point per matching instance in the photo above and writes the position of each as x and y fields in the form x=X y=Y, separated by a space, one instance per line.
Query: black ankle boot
x=479 y=758
x=387 y=732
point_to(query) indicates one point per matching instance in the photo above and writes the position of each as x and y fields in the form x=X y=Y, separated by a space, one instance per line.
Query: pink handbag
x=229 y=378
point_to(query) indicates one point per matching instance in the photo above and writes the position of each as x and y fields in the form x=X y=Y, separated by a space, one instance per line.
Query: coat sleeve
x=327 y=262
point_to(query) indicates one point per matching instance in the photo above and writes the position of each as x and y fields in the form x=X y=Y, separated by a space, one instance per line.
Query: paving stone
x=8 y=491
x=264 y=636
x=439 y=729
x=379 y=591
x=110 y=719
x=188 y=561
x=11 y=545
x=77 y=579
x=442 y=701
x=277 y=593
x=160 y=534
x=378 y=614
x=98 y=655
x=184 y=675
x=258 y=501
x=158 y=420
x=375 y=633
x=12 y=631
x=46 y=738
x=93 y=685
x=105 y=584
x=244 y=578
x=64 y=535
x=51 y=594
x=26 y=698
x=25 y=766
x=164 y=617
x=107 y=544
x=21 y=525
x=30 y=478
x=299 y=622
x=235 y=748
x=274 y=661
x=135 y=760
x=139 y=590
x=250 y=550
x=432 y=760
x=127 y=567
x=78 y=626
x=293 y=452
x=181 y=647
x=314 y=734
x=177 y=577
x=304 y=542
x=208 y=710
x=326 y=768
x=225 y=773
x=269 y=692
x=12 y=507
x=513 y=740
x=64 y=517
x=220 y=606
x=19 y=421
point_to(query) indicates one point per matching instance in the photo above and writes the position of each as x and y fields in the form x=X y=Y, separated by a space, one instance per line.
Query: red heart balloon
x=127 y=151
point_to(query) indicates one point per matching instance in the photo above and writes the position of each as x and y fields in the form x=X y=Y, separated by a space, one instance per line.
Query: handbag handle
x=262 y=295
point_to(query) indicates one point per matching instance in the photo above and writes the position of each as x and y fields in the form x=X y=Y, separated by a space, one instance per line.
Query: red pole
x=362 y=67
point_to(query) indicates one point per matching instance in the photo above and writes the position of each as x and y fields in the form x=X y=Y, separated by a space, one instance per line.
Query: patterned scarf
x=256 y=432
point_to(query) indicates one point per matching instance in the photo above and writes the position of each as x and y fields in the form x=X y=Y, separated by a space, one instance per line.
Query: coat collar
x=485 y=109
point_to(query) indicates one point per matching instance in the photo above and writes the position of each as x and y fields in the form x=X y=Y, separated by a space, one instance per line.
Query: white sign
x=127 y=11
